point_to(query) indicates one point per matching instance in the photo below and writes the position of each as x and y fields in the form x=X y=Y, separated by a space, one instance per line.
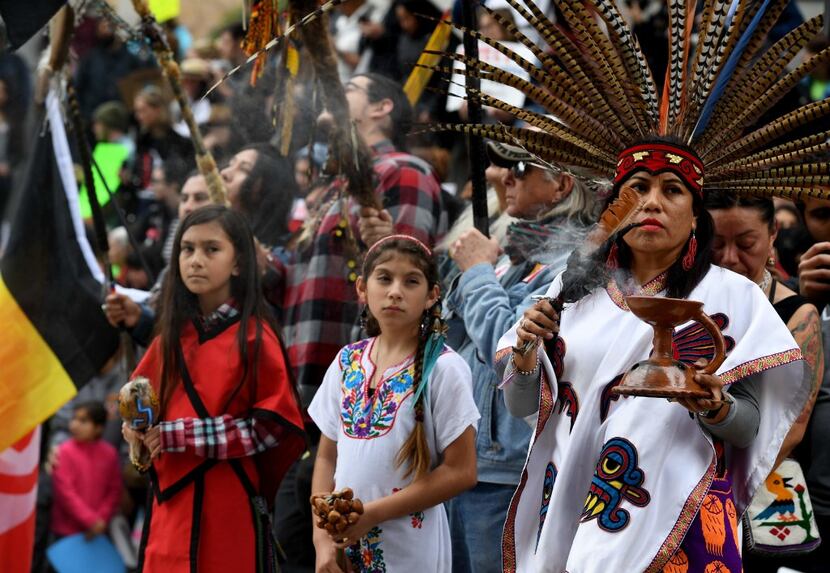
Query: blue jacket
x=482 y=304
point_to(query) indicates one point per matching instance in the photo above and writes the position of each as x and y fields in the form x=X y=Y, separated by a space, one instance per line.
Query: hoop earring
x=613 y=262
x=691 y=253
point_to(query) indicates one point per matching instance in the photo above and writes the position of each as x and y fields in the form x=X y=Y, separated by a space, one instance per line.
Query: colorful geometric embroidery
x=651 y=288
x=761 y=364
x=692 y=343
x=606 y=397
x=547 y=490
x=558 y=358
x=508 y=538
x=363 y=417
x=366 y=556
x=617 y=478
x=567 y=401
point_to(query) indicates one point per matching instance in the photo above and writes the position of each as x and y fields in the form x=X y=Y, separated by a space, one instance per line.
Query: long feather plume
x=729 y=67
x=633 y=58
x=678 y=50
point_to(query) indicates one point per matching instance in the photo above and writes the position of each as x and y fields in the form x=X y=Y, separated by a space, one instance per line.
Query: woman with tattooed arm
x=745 y=231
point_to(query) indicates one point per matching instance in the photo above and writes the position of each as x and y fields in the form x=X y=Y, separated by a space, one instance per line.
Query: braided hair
x=414 y=453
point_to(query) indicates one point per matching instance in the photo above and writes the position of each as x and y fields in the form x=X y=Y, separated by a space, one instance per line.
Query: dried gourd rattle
x=139 y=408
x=336 y=512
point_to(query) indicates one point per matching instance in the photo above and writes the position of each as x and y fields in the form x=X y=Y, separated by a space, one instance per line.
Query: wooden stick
x=204 y=159
x=347 y=148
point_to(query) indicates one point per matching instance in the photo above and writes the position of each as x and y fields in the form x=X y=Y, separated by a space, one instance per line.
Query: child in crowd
x=230 y=422
x=397 y=417
x=86 y=480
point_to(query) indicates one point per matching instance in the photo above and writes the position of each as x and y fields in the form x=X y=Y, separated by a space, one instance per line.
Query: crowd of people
x=296 y=338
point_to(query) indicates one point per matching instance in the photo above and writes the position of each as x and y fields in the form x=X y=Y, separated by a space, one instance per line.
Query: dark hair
x=267 y=194
x=415 y=451
x=179 y=305
x=424 y=11
x=679 y=281
x=717 y=200
x=175 y=171
x=380 y=88
x=94 y=409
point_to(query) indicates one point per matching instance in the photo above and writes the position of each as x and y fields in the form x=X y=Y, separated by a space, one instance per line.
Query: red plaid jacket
x=317 y=294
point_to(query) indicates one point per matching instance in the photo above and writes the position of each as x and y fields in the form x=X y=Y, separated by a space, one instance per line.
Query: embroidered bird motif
x=784 y=503
x=713 y=524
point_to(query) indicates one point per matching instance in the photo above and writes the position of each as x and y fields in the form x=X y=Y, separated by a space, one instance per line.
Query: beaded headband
x=657 y=158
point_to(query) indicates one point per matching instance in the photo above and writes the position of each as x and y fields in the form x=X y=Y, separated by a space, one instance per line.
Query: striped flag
x=55 y=336
x=18 y=490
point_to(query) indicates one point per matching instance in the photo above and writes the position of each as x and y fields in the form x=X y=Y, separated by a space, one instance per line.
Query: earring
x=771 y=261
x=612 y=262
x=691 y=253
x=364 y=317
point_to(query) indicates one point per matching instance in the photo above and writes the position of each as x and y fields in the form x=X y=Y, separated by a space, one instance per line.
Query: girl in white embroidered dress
x=397 y=417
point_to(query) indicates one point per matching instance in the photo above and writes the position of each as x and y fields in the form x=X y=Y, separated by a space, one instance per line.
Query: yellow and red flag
x=55 y=337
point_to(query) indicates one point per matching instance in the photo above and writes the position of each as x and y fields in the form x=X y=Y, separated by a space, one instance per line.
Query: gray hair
x=580 y=204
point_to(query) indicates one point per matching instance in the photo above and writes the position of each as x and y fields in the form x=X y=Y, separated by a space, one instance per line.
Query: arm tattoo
x=807 y=334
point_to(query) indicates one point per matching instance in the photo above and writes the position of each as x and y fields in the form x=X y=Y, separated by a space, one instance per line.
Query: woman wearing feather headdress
x=637 y=484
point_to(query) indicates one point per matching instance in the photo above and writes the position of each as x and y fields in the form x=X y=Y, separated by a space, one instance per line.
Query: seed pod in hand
x=342 y=506
x=330 y=528
x=357 y=506
x=340 y=527
x=322 y=523
x=347 y=493
x=321 y=506
x=353 y=517
x=334 y=516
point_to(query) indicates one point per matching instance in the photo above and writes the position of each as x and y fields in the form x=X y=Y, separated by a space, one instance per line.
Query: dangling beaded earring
x=364 y=317
x=612 y=262
x=691 y=253
x=425 y=324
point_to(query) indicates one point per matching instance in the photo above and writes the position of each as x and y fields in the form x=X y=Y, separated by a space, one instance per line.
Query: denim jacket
x=482 y=304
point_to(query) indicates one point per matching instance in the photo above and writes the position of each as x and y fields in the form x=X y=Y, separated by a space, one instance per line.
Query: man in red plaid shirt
x=316 y=289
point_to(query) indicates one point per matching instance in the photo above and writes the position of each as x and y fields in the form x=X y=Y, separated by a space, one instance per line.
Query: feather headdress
x=594 y=80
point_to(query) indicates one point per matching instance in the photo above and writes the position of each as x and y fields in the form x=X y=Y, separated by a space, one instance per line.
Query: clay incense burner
x=661 y=376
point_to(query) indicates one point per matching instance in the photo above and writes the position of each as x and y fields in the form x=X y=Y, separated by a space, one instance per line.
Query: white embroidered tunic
x=370 y=430
x=612 y=483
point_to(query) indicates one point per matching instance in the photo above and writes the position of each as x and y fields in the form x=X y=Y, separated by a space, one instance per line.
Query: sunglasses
x=520 y=169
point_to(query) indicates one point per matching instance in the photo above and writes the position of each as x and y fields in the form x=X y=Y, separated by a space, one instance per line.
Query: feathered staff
x=346 y=147
x=204 y=159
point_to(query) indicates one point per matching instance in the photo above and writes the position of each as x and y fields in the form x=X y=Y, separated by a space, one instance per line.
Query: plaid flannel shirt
x=221 y=438
x=319 y=303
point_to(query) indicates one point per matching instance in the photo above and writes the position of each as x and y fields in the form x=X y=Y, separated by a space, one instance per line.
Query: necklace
x=765 y=281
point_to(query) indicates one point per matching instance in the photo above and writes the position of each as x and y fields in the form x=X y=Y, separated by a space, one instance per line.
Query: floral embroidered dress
x=370 y=428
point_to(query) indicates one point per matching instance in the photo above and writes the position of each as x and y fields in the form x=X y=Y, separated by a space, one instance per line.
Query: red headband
x=409 y=238
x=658 y=158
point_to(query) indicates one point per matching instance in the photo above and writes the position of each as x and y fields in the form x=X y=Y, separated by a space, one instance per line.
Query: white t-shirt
x=370 y=430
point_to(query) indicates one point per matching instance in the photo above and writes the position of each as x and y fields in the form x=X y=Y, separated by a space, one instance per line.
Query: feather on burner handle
x=138 y=405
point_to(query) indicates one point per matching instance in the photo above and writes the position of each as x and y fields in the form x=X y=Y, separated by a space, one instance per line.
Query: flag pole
x=475 y=145
x=98 y=223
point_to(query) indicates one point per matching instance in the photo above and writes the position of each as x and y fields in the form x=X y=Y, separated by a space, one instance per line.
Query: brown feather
x=722 y=133
x=788 y=152
x=770 y=132
x=617 y=215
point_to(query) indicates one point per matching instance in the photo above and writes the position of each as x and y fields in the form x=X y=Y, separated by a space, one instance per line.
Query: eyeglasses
x=520 y=169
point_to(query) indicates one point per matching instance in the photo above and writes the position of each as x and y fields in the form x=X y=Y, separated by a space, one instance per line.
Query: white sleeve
x=325 y=407
x=452 y=405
